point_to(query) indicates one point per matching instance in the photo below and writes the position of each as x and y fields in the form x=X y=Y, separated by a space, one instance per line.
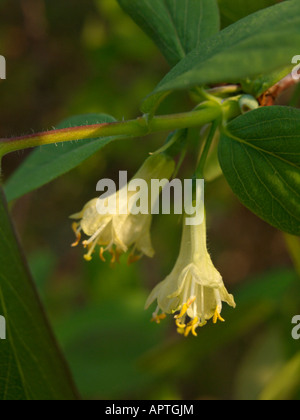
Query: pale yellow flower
x=194 y=291
x=119 y=233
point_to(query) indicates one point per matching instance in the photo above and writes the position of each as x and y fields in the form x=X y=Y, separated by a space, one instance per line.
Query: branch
x=135 y=128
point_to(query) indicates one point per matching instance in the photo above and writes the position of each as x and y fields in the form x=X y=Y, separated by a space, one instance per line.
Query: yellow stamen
x=194 y=324
x=179 y=325
x=158 y=318
x=191 y=327
x=90 y=247
x=217 y=317
x=101 y=254
x=182 y=312
x=75 y=227
x=77 y=233
x=113 y=256
x=194 y=331
x=76 y=243
x=185 y=308
x=187 y=331
x=133 y=258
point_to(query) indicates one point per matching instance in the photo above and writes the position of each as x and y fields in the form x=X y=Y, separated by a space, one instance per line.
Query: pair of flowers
x=194 y=291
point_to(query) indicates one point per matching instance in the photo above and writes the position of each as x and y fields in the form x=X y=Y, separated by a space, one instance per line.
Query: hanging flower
x=119 y=232
x=194 y=291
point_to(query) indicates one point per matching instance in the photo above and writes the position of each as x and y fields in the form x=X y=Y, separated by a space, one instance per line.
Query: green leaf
x=257 y=86
x=263 y=42
x=49 y=162
x=32 y=367
x=234 y=10
x=260 y=156
x=176 y=26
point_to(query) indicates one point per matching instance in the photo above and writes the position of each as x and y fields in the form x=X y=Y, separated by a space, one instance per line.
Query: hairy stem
x=134 y=128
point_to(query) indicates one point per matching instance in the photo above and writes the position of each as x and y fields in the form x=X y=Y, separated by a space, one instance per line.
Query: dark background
x=86 y=56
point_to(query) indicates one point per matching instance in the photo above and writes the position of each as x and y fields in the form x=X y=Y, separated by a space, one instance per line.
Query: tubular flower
x=117 y=233
x=194 y=291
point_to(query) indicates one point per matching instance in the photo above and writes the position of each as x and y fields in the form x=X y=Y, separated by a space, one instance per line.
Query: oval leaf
x=260 y=156
x=176 y=26
x=32 y=367
x=263 y=42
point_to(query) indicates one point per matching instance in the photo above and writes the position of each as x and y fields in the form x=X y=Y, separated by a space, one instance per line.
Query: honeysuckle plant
x=119 y=232
x=195 y=289
x=232 y=75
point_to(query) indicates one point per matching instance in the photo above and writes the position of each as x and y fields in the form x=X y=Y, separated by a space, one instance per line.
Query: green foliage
x=243 y=50
x=32 y=367
x=49 y=162
x=258 y=85
x=259 y=155
x=97 y=313
x=177 y=27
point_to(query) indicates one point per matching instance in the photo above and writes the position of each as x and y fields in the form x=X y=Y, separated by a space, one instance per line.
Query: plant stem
x=134 y=128
x=206 y=149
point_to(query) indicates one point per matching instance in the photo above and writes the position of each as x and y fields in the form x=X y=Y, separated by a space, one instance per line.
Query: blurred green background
x=86 y=56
